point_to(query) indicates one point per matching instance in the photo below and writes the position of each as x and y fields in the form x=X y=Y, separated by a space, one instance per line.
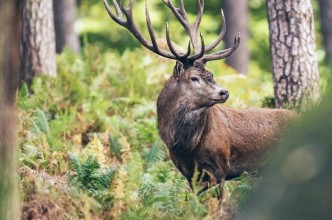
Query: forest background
x=88 y=143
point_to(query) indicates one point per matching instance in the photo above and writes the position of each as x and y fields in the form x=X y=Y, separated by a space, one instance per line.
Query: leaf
x=40 y=122
x=155 y=153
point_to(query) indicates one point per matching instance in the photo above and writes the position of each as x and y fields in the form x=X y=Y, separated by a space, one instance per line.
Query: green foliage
x=101 y=108
x=268 y=102
x=89 y=174
x=155 y=154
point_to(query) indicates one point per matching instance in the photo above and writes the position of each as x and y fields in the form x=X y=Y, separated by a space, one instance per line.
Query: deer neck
x=180 y=125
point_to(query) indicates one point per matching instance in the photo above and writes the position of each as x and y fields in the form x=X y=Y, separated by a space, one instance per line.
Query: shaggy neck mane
x=180 y=125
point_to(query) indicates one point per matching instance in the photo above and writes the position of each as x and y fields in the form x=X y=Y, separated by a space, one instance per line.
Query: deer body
x=220 y=142
x=217 y=140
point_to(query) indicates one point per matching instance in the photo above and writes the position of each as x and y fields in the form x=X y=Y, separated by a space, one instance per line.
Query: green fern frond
x=40 y=122
x=75 y=164
x=29 y=151
x=155 y=154
x=115 y=146
x=89 y=175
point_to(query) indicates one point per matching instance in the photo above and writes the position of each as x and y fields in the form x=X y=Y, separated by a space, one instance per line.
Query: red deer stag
x=219 y=142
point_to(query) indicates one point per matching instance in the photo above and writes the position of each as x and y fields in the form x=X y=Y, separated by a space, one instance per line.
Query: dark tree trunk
x=293 y=51
x=9 y=72
x=64 y=18
x=38 y=41
x=325 y=8
x=236 y=14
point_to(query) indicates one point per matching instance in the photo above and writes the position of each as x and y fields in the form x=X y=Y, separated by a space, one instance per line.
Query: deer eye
x=194 y=79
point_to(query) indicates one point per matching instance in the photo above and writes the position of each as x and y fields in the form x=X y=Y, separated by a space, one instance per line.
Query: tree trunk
x=293 y=51
x=38 y=41
x=64 y=18
x=9 y=72
x=239 y=60
x=325 y=8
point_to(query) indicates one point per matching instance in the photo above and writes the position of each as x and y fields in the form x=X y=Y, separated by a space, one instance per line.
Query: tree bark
x=9 y=72
x=325 y=8
x=292 y=46
x=64 y=18
x=239 y=60
x=38 y=40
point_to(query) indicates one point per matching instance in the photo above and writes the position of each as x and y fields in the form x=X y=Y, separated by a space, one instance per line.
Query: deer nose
x=224 y=92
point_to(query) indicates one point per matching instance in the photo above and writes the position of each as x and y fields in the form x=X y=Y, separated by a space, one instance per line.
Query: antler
x=223 y=53
x=192 y=29
x=131 y=26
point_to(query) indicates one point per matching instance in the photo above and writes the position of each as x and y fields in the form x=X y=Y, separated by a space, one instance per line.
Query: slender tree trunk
x=9 y=72
x=293 y=51
x=236 y=14
x=38 y=41
x=325 y=8
x=64 y=18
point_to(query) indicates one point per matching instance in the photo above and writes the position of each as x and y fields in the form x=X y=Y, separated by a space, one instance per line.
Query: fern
x=40 y=122
x=115 y=146
x=135 y=171
x=96 y=148
x=154 y=154
x=24 y=102
x=89 y=175
x=29 y=151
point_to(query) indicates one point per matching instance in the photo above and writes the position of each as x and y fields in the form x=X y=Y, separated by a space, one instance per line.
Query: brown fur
x=221 y=141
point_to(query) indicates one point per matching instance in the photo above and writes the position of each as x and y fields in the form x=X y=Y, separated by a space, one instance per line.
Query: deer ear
x=178 y=70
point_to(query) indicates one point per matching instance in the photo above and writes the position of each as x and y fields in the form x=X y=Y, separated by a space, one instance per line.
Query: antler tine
x=221 y=34
x=131 y=6
x=223 y=53
x=196 y=25
x=183 y=11
x=117 y=8
x=118 y=20
x=172 y=49
x=201 y=53
x=131 y=26
x=169 y=42
x=182 y=17
x=199 y=15
x=188 y=50
x=127 y=10
x=148 y=22
x=122 y=5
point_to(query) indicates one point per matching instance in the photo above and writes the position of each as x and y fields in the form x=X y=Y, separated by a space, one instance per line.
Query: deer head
x=189 y=71
x=197 y=86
